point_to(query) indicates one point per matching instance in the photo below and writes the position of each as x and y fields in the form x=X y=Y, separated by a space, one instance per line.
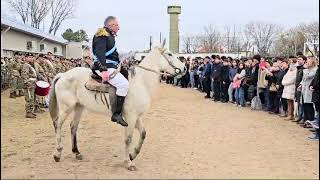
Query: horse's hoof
x=57 y=159
x=132 y=168
x=131 y=157
x=79 y=157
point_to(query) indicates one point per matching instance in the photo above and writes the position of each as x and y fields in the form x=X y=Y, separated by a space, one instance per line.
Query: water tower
x=174 y=12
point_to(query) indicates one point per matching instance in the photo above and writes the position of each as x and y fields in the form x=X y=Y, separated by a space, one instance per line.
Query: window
x=29 y=45
x=55 y=49
x=41 y=47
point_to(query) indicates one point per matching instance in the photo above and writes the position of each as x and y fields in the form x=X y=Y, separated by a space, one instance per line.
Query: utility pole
x=150 y=43
x=160 y=38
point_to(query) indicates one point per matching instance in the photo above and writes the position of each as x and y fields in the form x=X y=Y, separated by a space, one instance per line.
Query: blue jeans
x=239 y=96
x=300 y=110
x=267 y=104
x=192 y=79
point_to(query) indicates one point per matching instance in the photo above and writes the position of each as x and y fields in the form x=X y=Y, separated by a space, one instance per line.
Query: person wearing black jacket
x=300 y=62
x=186 y=78
x=273 y=78
x=106 y=60
x=253 y=77
x=225 y=81
x=206 y=77
x=216 y=76
x=196 y=75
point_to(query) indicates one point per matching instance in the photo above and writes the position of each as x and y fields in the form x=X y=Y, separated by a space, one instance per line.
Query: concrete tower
x=174 y=12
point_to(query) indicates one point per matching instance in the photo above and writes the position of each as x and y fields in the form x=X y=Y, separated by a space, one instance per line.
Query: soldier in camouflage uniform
x=19 y=89
x=29 y=76
x=4 y=73
x=57 y=66
x=49 y=69
x=13 y=76
x=64 y=66
x=40 y=77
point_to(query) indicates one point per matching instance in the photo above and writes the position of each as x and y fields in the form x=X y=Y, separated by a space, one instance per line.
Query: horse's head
x=168 y=62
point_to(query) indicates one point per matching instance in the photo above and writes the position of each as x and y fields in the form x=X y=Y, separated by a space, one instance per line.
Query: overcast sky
x=141 y=18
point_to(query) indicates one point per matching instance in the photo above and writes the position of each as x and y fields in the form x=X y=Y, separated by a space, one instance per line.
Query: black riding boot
x=117 y=116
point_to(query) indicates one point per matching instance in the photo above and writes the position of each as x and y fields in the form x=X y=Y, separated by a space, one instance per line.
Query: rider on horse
x=106 y=60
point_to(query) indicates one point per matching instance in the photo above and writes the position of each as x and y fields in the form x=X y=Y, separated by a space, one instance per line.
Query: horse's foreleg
x=142 y=132
x=62 y=116
x=74 y=127
x=128 y=141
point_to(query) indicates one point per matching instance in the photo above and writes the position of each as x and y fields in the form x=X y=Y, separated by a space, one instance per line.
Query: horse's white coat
x=69 y=94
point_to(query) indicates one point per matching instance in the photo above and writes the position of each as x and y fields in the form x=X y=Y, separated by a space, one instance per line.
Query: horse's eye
x=170 y=54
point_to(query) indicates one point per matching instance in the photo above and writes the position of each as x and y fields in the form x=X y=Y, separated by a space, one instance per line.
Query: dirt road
x=187 y=137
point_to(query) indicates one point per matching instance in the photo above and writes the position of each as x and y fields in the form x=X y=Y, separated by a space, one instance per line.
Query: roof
x=18 y=26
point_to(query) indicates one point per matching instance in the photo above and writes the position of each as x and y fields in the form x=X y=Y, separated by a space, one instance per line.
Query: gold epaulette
x=102 y=32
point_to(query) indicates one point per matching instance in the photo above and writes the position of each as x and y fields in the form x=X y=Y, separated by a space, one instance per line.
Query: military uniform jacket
x=28 y=74
x=103 y=41
x=40 y=72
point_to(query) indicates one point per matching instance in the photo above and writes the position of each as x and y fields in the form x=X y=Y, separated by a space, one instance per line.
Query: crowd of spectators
x=287 y=87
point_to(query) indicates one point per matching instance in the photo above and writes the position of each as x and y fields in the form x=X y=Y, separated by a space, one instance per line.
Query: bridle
x=176 y=70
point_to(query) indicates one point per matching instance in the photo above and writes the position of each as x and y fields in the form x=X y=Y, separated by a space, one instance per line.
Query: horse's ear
x=163 y=43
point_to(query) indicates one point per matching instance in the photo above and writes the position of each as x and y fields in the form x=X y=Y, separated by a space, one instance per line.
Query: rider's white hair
x=108 y=19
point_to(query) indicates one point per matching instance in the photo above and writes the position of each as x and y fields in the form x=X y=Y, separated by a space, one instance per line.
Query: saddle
x=95 y=84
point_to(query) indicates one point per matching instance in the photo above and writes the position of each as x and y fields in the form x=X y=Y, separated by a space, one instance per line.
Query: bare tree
x=33 y=11
x=211 y=38
x=262 y=35
x=311 y=33
x=289 y=42
x=61 y=10
x=38 y=11
x=227 y=38
x=22 y=7
x=191 y=43
x=187 y=44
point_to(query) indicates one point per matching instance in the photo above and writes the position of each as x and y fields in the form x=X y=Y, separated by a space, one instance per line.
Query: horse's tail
x=53 y=105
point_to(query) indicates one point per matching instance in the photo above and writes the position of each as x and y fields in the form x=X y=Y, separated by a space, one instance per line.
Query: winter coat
x=298 y=81
x=288 y=82
x=254 y=75
x=308 y=75
x=207 y=71
x=274 y=79
x=279 y=81
x=216 y=74
x=232 y=73
x=315 y=84
x=262 y=82
x=225 y=74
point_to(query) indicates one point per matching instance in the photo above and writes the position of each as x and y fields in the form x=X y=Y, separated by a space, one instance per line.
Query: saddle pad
x=93 y=85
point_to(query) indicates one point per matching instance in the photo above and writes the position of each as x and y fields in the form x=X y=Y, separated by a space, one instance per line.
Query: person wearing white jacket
x=288 y=82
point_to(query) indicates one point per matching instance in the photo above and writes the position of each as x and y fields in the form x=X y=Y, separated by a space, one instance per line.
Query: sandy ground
x=187 y=137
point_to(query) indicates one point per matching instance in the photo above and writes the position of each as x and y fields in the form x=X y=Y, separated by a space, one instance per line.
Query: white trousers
x=120 y=82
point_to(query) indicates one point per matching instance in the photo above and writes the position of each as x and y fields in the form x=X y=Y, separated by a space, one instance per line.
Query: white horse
x=69 y=94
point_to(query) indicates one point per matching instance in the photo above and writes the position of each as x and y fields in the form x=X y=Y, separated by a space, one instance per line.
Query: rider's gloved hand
x=105 y=76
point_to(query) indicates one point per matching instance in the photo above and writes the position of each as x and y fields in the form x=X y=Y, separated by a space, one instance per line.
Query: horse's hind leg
x=142 y=132
x=58 y=124
x=74 y=127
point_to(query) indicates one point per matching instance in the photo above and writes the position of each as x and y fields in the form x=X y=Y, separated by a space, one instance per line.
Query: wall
x=14 y=40
x=74 y=50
